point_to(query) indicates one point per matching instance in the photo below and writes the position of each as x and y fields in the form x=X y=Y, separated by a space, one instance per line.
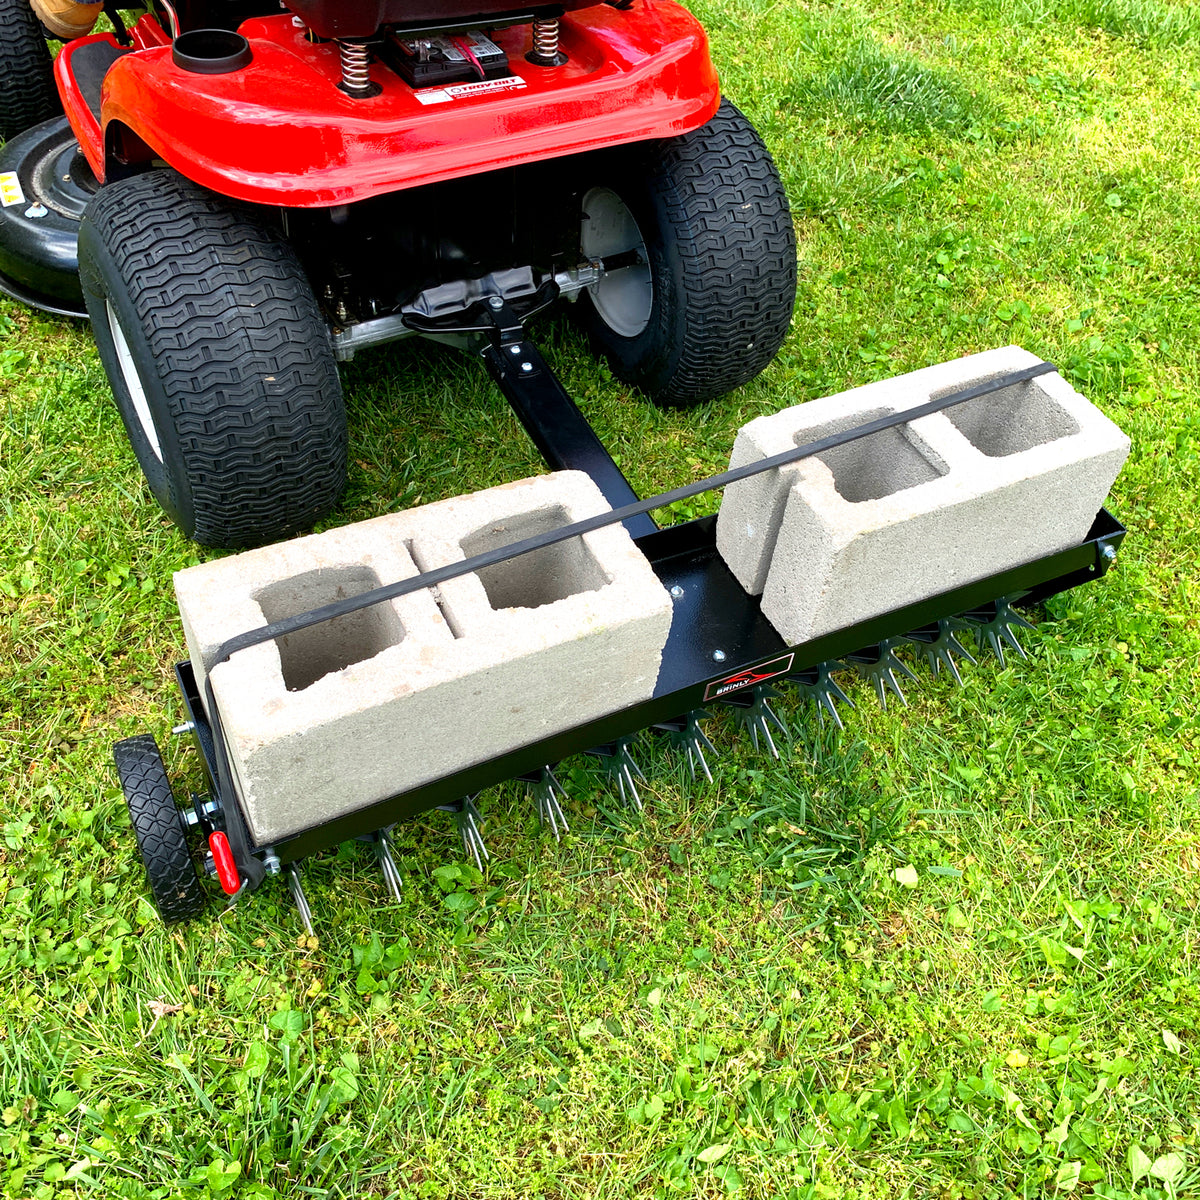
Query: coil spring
x=355 y=63
x=545 y=40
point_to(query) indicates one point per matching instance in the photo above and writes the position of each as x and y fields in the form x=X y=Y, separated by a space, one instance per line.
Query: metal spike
x=879 y=665
x=292 y=870
x=546 y=791
x=618 y=764
x=382 y=841
x=993 y=626
x=818 y=685
x=685 y=733
x=753 y=712
x=939 y=643
x=469 y=821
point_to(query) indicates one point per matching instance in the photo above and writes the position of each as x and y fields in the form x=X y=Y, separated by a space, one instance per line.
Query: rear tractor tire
x=158 y=826
x=708 y=300
x=27 y=92
x=219 y=360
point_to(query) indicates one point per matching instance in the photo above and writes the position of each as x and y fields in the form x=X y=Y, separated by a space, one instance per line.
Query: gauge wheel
x=158 y=826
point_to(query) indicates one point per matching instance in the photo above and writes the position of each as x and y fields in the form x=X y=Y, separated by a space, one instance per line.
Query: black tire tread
x=27 y=92
x=177 y=888
x=242 y=352
x=708 y=177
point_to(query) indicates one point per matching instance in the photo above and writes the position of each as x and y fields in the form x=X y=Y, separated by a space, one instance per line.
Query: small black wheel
x=702 y=225
x=220 y=362
x=158 y=826
x=27 y=92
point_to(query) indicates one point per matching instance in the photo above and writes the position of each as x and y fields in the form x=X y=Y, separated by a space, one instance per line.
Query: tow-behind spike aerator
x=448 y=169
x=715 y=611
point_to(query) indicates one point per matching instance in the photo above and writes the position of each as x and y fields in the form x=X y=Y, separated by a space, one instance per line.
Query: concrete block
x=325 y=722
x=922 y=507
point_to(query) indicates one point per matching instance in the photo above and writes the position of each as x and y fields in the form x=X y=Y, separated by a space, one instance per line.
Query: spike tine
x=297 y=889
x=956 y=647
x=469 y=820
x=696 y=754
x=945 y=659
x=387 y=864
x=766 y=732
x=826 y=704
x=627 y=788
x=1006 y=634
x=545 y=791
x=619 y=765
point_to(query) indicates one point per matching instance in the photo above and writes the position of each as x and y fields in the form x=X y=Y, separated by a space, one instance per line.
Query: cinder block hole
x=877 y=465
x=542 y=576
x=313 y=653
x=1013 y=419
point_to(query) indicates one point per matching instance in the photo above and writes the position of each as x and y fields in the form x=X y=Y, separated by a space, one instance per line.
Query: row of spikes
x=940 y=643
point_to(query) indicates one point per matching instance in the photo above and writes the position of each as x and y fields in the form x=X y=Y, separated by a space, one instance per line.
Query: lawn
x=951 y=951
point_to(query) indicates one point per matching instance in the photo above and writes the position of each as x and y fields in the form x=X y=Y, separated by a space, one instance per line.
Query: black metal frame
x=719 y=644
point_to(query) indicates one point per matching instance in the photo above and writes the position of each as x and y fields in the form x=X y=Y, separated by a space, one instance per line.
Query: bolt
x=527 y=367
x=186 y=727
x=677 y=592
x=35 y=211
x=271 y=862
x=1108 y=552
x=514 y=349
x=496 y=302
x=718 y=656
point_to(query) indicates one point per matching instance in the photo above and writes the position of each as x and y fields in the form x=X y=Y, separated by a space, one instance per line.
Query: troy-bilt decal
x=456 y=91
x=10 y=189
x=749 y=677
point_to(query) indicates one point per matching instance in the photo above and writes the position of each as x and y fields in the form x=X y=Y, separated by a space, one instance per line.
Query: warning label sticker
x=458 y=91
x=10 y=189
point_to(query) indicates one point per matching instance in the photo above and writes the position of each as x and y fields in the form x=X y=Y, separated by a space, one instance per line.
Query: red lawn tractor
x=241 y=193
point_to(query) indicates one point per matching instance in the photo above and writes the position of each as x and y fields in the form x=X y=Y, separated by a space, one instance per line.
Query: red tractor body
x=279 y=131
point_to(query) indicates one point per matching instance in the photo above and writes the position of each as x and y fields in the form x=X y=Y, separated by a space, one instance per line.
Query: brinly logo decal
x=748 y=678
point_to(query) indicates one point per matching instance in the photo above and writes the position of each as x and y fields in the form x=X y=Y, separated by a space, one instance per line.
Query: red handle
x=227 y=871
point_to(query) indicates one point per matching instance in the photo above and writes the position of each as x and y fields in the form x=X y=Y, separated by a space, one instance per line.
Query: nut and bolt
x=677 y=592
x=496 y=302
x=719 y=656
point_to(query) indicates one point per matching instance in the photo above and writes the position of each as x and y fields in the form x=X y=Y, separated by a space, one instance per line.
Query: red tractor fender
x=280 y=132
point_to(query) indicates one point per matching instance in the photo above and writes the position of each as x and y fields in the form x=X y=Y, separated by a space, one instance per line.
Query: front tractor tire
x=158 y=826
x=219 y=360
x=707 y=300
x=27 y=92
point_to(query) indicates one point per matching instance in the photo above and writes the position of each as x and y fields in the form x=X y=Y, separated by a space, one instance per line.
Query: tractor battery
x=433 y=61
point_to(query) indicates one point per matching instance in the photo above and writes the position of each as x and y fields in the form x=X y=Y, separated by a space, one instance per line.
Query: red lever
x=227 y=871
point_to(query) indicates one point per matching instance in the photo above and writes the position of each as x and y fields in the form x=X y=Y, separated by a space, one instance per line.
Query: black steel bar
x=556 y=426
x=479 y=562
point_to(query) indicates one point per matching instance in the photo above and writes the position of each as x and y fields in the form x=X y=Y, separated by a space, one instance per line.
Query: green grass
x=951 y=952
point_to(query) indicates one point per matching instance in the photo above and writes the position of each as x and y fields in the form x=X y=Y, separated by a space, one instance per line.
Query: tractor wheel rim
x=623 y=298
x=132 y=380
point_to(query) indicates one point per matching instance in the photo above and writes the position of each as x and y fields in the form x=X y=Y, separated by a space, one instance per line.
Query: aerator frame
x=721 y=650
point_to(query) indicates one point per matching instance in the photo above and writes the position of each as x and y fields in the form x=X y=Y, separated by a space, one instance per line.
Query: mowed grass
x=949 y=952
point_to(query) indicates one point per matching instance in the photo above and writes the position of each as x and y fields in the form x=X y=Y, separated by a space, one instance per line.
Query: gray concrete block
x=918 y=509
x=330 y=720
